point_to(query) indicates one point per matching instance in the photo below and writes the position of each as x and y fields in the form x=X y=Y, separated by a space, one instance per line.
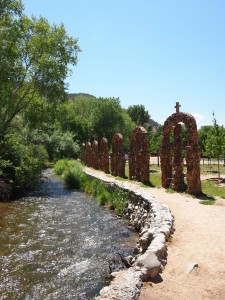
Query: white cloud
x=199 y=118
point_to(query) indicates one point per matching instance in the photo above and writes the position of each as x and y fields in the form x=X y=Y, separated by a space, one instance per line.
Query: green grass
x=74 y=177
x=212 y=188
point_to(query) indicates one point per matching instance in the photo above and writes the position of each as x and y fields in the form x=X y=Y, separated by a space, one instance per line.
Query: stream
x=59 y=244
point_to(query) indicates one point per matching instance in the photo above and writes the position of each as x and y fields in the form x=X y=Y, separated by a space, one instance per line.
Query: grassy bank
x=75 y=178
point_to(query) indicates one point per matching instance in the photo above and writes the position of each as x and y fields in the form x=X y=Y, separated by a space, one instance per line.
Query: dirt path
x=199 y=238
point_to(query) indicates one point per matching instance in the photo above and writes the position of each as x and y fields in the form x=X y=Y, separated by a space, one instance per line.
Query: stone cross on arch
x=177 y=107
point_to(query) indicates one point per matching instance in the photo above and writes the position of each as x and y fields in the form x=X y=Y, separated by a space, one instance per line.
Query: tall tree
x=138 y=114
x=215 y=143
x=34 y=61
x=202 y=135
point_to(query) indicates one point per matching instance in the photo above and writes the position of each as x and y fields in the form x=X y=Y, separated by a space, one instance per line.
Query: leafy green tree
x=90 y=118
x=155 y=140
x=34 y=61
x=202 y=135
x=138 y=114
x=215 y=143
x=107 y=118
x=77 y=117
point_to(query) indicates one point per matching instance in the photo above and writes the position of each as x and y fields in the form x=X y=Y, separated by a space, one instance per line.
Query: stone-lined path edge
x=154 y=222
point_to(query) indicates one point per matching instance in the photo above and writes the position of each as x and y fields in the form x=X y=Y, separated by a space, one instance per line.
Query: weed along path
x=195 y=266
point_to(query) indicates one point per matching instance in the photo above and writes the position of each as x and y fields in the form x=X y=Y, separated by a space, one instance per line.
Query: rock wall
x=154 y=222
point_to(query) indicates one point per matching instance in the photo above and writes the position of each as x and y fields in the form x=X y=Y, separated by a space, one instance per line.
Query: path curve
x=199 y=239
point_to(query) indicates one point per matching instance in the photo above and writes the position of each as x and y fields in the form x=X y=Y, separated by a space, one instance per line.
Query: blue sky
x=150 y=52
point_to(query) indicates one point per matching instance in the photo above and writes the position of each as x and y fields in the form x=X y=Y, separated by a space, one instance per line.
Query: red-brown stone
x=172 y=158
x=117 y=156
x=95 y=155
x=104 y=155
x=139 y=155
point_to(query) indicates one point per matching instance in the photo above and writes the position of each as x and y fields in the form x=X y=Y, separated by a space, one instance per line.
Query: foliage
x=215 y=143
x=92 y=118
x=74 y=177
x=61 y=166
x=21 y=164
x=61 y=144
x=138 y=114
x=155 y=139
x=107 y=118
x=34 y=60
x=202 y=135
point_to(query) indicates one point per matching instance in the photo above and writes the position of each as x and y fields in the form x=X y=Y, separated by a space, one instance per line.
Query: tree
x=202 y=135
x=34 y=61
x=155 y=140
x=215 y=143
x=138 y=114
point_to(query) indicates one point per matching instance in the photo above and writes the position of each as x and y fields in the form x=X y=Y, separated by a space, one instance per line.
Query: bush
x=60 y=166
x=61 y=144
x=25 y=162
x=73 y=176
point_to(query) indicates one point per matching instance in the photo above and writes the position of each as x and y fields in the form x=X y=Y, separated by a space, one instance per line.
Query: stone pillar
x=178 y=175
x=88 y=154
x=104 y=156
x=117 y=156
x=95 y=155
x=139 y=155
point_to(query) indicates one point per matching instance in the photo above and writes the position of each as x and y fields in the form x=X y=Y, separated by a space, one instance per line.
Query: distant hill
x=73 y=97
x=153 y=123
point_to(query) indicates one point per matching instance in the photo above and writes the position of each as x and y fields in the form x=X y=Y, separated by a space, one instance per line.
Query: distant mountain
x=153 y=123
x=73 y=97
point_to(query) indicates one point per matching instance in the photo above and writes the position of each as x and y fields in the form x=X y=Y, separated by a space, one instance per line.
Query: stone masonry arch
x=139 y=155
x=88 y=154
x=171 y=154
x=104 y=155
x=95 y=155
x=117 y=156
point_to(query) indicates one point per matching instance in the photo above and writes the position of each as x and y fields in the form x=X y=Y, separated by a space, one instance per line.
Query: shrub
x=60 y=166
x=25 y=162
x=74 y=177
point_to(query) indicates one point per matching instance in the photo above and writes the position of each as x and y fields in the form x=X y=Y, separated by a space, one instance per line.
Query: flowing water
x=58 y=244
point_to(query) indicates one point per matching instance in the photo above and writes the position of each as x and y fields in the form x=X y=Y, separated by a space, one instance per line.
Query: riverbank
x=196 y=253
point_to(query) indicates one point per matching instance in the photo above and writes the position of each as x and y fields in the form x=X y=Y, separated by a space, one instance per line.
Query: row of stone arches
x=172 y=155
x=96 y=156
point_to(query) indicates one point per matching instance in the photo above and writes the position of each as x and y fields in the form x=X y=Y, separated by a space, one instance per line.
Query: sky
x=147 y=52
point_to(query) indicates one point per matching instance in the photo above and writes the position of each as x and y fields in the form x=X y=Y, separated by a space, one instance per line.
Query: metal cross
x=177 y=107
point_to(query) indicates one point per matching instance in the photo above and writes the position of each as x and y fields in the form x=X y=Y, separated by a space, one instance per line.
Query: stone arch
x=104 y=155
x=117 y=156
x=171 y=155
x=139 y=155
x=95 y=155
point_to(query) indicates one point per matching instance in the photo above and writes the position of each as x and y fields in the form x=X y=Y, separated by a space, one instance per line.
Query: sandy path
x=199 y=238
